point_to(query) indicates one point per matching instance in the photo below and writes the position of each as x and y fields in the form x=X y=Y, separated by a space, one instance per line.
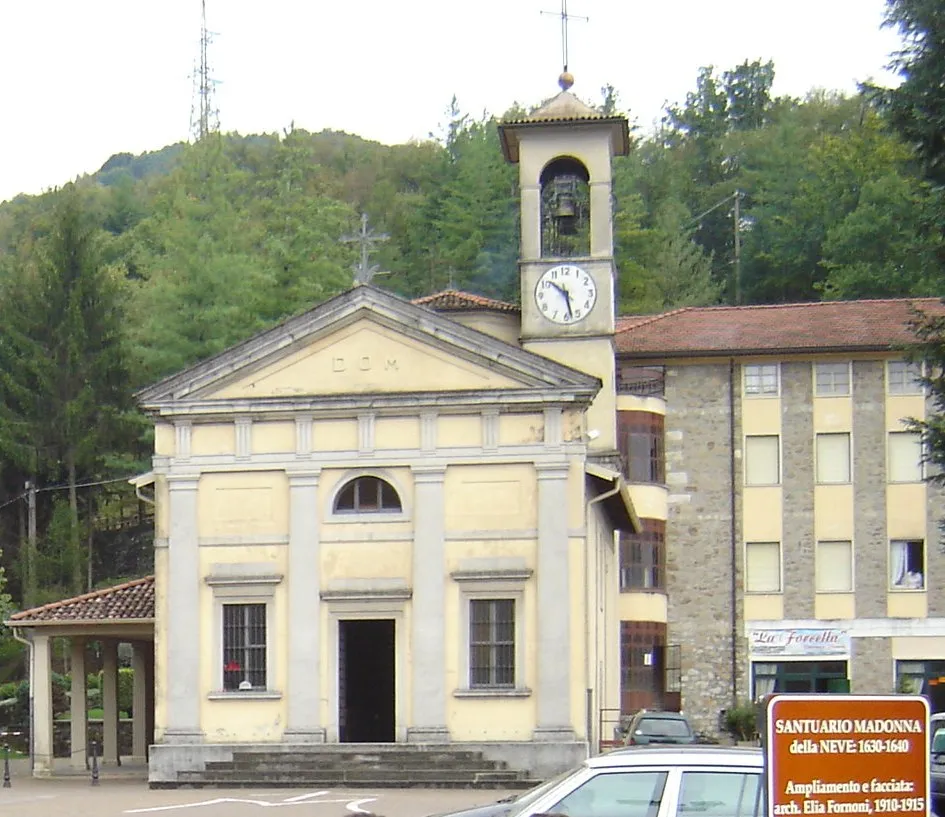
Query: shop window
x=763 y=567
x=833 y=459
x=834 y=567
x=762 y=380
x=923 y=678
x=367 y=495
x=643 y=557
x=907 y=564
x=905 y=457
x=641 y=443
x=904 y=377
x=798 y=676
x=831 y=379
x=763 y=460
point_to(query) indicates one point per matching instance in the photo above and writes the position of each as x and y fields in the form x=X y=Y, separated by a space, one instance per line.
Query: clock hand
x=567 y=300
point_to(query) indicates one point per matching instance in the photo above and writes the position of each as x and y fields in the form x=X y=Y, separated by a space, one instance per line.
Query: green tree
x=929 y=330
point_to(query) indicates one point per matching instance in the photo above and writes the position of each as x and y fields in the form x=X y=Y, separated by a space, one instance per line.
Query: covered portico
x=120 y=614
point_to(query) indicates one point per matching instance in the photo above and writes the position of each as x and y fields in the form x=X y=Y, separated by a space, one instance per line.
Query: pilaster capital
x=304 y=477
x=552 y=470
x=428 y=474
x=182 y=482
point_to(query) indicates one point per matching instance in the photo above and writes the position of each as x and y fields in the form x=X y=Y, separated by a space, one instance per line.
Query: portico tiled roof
x=839 y=326
x=453 y=300
x=131 y=601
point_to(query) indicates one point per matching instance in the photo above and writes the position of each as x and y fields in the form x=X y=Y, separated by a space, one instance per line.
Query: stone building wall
x=871 y=671
x=699 y=529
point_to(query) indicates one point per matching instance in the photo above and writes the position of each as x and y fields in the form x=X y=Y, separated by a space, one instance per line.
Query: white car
x=647 y=781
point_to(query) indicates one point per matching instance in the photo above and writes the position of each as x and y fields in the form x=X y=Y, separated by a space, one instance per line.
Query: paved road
x=75 y=797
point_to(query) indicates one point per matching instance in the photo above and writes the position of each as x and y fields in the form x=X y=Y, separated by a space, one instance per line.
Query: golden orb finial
x=566 y=80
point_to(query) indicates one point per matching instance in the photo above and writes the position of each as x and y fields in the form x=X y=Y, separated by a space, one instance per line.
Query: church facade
x=385 y=521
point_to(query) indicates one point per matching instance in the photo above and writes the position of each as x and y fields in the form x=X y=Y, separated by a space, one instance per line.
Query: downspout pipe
x=733 y=473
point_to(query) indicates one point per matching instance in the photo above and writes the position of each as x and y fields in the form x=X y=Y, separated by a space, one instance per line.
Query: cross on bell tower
x=565 y=19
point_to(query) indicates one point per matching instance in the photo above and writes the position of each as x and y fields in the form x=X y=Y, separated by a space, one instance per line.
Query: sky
x=85 y=80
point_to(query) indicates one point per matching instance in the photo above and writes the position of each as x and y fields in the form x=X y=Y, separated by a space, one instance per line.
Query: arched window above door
x=367 y=495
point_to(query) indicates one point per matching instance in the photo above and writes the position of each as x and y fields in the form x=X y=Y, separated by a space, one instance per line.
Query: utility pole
x=738 y=250
x=30 y=543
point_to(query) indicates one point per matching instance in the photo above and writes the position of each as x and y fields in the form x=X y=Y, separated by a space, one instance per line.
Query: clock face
x=565 y=294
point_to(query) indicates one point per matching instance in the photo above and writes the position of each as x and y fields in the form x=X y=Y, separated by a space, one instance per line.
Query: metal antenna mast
x=565 y=17
x=364 y=271
x=204 y=118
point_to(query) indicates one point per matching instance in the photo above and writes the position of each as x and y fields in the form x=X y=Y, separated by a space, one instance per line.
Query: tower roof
x=564 y=109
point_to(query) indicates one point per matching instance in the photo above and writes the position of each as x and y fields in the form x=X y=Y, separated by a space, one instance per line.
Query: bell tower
x=564 y=151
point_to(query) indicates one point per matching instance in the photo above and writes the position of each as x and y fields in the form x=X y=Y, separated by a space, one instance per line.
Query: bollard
x=6 y=766
x=94 y=764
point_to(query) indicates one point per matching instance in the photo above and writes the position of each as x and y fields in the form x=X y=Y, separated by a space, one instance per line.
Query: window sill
x=906 y=589
x=496 y=692
x=245 y=695
x=351 y=517
x=651 y=591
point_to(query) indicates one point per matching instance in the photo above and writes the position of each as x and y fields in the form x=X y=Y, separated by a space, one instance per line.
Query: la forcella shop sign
x=847 y=754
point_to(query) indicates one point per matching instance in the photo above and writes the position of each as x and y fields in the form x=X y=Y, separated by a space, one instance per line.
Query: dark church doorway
x=366 y=680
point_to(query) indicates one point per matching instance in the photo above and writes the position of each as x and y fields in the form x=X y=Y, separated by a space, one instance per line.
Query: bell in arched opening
x=565 y=209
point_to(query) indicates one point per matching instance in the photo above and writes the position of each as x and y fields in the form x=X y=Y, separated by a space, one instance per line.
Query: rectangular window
x=905 y=457
x=907 y=564
x=833 y=458
x=831 y=379
x=763 y=567
x=835 y=567
x=903 y=377
x=491 y=643
x=244 y=646
x=643 y=557
x=640 y=440
x=720 y=794
x=762 y=460
x=761 y=380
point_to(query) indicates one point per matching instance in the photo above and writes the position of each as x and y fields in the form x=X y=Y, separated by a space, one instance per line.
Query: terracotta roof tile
x=132 y=600
x=452 y=300
x=779 y=328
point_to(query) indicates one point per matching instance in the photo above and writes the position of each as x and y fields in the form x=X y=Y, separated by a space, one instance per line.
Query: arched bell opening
x=565 y=209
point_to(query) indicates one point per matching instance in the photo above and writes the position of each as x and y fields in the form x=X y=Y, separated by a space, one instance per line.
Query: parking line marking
x=355 y=805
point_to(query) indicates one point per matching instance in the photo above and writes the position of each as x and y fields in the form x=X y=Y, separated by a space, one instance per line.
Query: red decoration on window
x=232 y=666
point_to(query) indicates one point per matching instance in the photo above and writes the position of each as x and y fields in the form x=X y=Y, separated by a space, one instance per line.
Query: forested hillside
x=157 y=261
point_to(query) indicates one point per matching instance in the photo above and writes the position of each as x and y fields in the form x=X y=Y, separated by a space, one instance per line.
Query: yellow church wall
x=491 y=497
x=458 y=551
x=397 y=432
x=505 y=326
x=273 y=438
x=582 y=672
x=480 y=719
x=161 y=508
x=243 y=721
x=251 y=503
x=363 y=560
x=365 y=358
x=208 y=439
x=521 y=429
x=335 y=435
x=160 y=642
x=572 y=427
x=456 y=431
x=165 y=440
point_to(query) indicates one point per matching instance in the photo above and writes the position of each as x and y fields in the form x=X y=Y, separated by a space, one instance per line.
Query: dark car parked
x=647 y=727
x=937 y=762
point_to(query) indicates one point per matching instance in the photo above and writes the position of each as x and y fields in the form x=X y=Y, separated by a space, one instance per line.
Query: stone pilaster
x=304 y=692
x=427 y=614
x=181 y=675
x=553 y=646
x=78 y=710
x=139 y=706
x=110 y=702
x=41 y=678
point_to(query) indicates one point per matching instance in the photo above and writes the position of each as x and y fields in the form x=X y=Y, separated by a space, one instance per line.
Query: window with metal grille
x=367 y=495
x=643 y=557
x=244 y=646
x=640 y=440
x=643 y=656
x=492 y=643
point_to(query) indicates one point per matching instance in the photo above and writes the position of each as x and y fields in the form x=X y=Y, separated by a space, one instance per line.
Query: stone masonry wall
x=797 y=477
x=869 y=490
x=871 y=666
x=699 y=539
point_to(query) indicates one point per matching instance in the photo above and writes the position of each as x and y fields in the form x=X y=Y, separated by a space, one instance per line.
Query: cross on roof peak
x=565 y=18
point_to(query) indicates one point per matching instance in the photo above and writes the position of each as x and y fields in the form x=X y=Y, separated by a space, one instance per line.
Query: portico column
x=553 y=646
x=78 y=712
x=110 y=702
x=41 y=679
x=428 y=671
x=182 y=671
x=139 y=705
x=303 y=720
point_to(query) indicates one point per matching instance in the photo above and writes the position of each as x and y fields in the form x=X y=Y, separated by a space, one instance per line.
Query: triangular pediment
x=367 y=342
